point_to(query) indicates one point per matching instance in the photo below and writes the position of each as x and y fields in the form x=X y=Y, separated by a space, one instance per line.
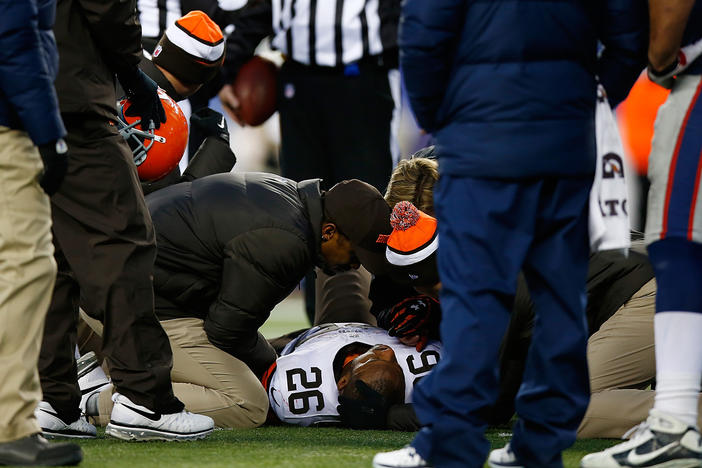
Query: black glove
x=55 y=158
x=143 y=96
x=416 y=315
x=211 y=123
x=368 y=413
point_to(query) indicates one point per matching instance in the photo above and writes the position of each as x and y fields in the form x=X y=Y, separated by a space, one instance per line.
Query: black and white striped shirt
x=334 y=32
x=328 y=33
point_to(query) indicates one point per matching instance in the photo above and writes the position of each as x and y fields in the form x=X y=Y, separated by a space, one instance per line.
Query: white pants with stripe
x=675 y=165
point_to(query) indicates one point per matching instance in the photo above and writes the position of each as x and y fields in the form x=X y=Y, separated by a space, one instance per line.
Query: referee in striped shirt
x=337 y=87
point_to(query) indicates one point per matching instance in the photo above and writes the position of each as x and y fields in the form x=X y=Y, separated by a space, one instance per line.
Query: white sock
x=678 y=338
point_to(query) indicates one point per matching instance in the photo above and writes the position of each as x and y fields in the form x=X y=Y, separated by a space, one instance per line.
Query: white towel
x=609 y=217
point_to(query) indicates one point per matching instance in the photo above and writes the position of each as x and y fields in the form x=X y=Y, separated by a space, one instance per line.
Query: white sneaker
x=130 y=421
x=503 y=457
x=406 y=457
x=91 y=378
x=661 y=441
x=52 y=426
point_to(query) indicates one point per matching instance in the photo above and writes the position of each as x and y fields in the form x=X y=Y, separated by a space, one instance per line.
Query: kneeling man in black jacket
x=232 y=246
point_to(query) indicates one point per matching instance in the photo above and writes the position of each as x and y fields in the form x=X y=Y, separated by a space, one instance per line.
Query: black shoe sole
x=61 y=456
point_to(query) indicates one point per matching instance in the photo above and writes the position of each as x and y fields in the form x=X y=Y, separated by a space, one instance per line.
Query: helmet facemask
x=139 y=141
x=156 y=152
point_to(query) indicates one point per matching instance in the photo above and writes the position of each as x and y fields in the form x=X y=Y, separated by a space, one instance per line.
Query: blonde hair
x=413 y=180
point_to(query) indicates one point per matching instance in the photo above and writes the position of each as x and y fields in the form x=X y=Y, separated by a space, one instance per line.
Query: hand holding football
x=256 y=87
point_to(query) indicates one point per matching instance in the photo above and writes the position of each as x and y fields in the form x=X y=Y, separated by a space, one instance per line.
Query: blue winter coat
x=28 y=66
x=508 y=86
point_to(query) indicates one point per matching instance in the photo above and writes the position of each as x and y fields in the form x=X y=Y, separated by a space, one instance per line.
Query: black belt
x=349 y=69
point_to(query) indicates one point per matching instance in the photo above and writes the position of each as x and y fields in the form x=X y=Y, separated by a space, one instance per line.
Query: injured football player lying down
x=349 y=374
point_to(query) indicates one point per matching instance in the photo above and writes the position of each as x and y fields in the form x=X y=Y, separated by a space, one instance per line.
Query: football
x=256 y=87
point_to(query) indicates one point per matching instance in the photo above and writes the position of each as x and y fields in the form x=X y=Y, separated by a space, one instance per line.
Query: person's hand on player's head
x=418 y=341
x=417 y=315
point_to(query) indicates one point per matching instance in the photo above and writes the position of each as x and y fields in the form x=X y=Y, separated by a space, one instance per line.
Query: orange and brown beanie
x=192 y=49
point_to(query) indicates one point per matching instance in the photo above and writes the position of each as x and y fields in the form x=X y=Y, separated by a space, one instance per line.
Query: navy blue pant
x=490 y=229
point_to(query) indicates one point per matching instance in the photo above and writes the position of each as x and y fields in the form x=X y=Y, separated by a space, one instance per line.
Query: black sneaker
x=661 y=442
x=35 y=450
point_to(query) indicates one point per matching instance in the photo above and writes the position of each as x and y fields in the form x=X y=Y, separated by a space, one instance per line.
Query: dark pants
x=105 y=249
x=335 y=127
x=489 y=230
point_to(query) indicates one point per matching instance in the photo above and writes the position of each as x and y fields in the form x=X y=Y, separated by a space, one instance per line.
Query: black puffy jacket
x=230 y=247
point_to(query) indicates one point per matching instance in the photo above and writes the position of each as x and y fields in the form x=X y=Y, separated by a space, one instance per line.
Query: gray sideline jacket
x=230 y=247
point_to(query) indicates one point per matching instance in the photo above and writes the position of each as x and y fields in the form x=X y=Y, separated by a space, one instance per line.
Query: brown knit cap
x=361 y=214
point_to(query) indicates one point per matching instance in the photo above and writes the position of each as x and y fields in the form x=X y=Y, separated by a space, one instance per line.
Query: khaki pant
x=27 y=274
x=622 y=364
x=208 y=380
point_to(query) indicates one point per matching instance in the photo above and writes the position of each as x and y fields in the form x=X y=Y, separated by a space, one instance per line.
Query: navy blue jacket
x=28 y=66
x=508 y=86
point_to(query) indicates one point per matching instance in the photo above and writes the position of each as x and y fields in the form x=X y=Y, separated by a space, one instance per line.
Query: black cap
x=361 y=213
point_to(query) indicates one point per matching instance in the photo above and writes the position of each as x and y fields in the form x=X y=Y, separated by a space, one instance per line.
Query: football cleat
x=130 y=421
x=52 y=426
x=661 y=441
x=91 y=378
x=503 y=458
x=406 y=457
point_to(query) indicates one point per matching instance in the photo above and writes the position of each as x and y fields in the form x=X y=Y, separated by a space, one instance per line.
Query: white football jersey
x=302 y=389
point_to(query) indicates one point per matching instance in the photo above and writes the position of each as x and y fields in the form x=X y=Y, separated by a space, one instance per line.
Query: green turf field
x=287 y=316
x=275 y=446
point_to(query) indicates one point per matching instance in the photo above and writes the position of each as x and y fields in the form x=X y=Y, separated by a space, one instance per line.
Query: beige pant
x=27 y=275
x=622 y=362
x=207 y=380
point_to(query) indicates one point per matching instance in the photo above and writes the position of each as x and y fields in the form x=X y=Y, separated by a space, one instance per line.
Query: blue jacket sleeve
x=25 y=79
x=624 y=34
x=428 y=35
